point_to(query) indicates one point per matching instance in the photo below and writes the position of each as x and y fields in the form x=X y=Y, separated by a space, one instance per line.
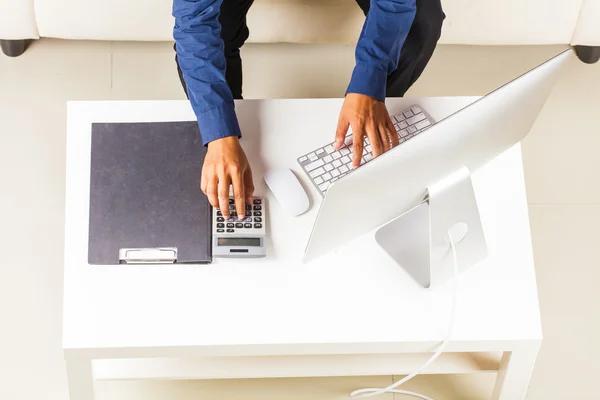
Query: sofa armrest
x=17 y=20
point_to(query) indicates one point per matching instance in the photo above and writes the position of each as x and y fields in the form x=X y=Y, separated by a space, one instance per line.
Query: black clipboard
x=145 y=193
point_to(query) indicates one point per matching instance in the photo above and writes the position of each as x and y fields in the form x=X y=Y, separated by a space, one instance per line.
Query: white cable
x=371 y=392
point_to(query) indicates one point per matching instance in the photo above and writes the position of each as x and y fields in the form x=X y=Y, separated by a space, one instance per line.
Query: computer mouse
x=287 y=190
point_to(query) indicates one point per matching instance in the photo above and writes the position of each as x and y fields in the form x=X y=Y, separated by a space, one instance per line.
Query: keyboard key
x=314 y=165
x=337 y=164
x=403 y=125
x=406 y=113
x=311 y=155
x=345 y=151
x=327 y=176
x=320 y=151
x=220 y=230
x=368 y=157
x=239 y=225
x=344 y=169
x=413 y=120
x=334 y=179
x=318 y=180
x=247 y=226
x=324 y=186
x=345 y=159
x=335 y=173
x=257 y=213
x=328 y=159
x=403 y=133
x=416 y=109
x=399 y=117
x=348 y=140
x=302 y=159
x=317 y=172
x=229 y=225
x=313 y=158
x=411 y=129
x=258 y=226
x=368 y=149
x=329 y=149
x=230 y=230
x=422 y=124
x=328 y=167
x=257 y=219
x=220 y=225
x=336 y=155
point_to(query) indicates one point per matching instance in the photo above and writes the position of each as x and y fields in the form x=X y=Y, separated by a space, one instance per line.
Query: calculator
x=240 y=237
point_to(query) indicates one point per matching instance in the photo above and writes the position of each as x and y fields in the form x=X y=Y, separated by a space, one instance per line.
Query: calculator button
x=220 y=230
x=257 y=208
x=239 y=225
x=258 y=226
x=248 y=207
x=219 y=213
x=257 y=201
x=248 y=213
x=220 y=225
x=230 y=225
x=230 y=230
x=257 y=214
x=248 y=219
x=257 y=219
x=247 y=226
x=230 y=219
x=231 y=201
x=220 y=219
x=232 y=206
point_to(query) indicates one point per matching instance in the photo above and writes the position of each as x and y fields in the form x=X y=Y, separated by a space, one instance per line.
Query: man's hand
x=226 y=164
x=368 y=117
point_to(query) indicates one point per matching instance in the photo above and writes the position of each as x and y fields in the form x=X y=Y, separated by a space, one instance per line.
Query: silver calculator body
x=240 y=238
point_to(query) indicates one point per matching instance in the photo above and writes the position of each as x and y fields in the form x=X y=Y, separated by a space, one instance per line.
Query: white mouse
x=287 y=190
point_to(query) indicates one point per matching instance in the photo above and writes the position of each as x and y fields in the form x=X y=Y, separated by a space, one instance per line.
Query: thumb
x=340 y=133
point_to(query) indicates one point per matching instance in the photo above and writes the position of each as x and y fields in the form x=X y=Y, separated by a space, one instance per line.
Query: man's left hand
x=368 y=117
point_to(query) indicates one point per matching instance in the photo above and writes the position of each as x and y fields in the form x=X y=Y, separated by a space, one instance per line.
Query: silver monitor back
x=396 y=182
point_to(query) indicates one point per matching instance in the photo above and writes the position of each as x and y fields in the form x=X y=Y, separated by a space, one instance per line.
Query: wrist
x=224 y=142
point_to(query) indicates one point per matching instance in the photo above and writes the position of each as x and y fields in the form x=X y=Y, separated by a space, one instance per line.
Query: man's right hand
x=226 y=164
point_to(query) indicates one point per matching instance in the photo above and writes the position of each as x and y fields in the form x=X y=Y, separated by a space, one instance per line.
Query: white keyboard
x=326 y=165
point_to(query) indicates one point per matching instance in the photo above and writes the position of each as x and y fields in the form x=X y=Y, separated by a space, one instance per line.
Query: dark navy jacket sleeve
x=201 y=57
x=378 y=50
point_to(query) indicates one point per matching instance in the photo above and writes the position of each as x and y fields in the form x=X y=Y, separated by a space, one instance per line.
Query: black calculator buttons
x=248 y=207
x=230 y=230
x=258 y=213
x=257 y=219
x=247 y=225
x=258 y=226
x=257 y=208
x=220 y=225
x=239 y=225
x=257 y=201
x=220 y=219
x=219 y=213
x=220 y=230
x=231 y=201
x=230 y=225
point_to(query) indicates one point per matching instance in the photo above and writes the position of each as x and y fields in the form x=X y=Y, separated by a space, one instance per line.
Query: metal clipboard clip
x=158 y=255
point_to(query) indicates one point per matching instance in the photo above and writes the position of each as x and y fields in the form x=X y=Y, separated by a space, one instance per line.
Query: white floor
x=561 y=163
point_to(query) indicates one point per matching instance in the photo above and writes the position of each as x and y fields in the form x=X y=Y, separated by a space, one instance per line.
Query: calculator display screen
x=253 y=242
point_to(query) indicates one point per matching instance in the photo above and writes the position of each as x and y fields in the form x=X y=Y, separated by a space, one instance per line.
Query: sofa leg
x=588 y=54
x=13 y=48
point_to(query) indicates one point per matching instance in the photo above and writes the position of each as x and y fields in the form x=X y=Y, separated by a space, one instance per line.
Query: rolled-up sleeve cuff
x=218 y=122
x=368 y=80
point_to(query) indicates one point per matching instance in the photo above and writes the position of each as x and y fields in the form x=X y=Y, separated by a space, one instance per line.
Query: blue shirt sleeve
x=378 y=50
x=201 y=57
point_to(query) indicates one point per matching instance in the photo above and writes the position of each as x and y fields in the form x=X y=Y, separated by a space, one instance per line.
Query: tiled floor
x=561 y=164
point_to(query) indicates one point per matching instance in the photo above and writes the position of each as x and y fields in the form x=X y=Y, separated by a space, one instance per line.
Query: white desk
x=276 y=317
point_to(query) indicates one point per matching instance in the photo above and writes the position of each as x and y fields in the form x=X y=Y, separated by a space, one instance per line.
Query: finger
x=340 y=133
x=203 y=181
x=223 y=192
x=358 y=145
x=211 y=193
x=385 y=137
x=392 y=132
x=375 y=138
x=248 y=185
x=238 y=193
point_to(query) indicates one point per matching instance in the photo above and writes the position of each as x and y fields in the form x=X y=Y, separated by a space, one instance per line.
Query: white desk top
x=353 y=300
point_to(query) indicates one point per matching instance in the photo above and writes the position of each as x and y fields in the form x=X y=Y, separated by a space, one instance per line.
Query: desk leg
x=80 y=378
x=515 y=372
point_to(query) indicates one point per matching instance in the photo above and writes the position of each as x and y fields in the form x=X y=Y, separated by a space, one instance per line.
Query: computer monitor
x=429 y=176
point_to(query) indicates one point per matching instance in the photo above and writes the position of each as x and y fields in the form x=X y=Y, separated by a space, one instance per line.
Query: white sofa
x=480 y=22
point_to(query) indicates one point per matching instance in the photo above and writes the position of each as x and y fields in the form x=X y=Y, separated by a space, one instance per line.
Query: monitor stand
x=417 y=240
